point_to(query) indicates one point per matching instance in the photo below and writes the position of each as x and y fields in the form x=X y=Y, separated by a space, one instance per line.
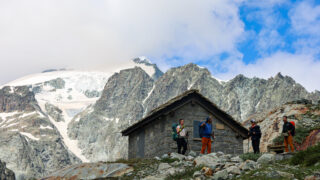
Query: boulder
x=266 y=158
x=189 y=158
x=177 y=156
x=157 y=158
x=221 y=175
x=164 y=156
x=248 y=165
x=236 y=159
x=234 y=170
x=197 y=174
x=286 y=175
x=207 y=160
x=153 y=178
x=220 y=153
x=192 y=153
x=163 y=166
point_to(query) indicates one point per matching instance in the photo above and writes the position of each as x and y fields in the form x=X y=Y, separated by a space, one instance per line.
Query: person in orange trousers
x=208 y=133
x=287 y=130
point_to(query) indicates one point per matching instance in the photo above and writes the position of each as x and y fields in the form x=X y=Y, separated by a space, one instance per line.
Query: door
x=140 y=144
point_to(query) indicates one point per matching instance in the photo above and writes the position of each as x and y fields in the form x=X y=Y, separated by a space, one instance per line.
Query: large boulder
x=163 y=167
x=248 y=165
x=221 y=175
x=234 y=170
x=91 y=171
x=192 y=153
x=177 y=156
x=266 y=158
x=236 y=159
x=207 y=160
x=153 y=178
x=6 y=173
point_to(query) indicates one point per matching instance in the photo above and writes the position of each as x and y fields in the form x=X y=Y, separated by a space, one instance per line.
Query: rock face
x=5 y=173
x=30 y=143
x=16 y=99
x=98 y=131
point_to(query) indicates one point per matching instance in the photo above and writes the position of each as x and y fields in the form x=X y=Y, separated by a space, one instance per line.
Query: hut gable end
x=152 y=135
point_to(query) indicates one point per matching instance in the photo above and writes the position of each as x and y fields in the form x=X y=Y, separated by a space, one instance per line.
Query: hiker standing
x=287 y=132
x=181 y=140
x=207 y=134
x=255 y=134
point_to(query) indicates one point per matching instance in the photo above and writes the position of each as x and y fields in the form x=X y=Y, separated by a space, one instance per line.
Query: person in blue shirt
x=206 y=138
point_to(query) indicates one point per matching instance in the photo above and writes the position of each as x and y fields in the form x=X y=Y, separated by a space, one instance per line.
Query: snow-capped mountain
x=52 y=99
x=54 y=119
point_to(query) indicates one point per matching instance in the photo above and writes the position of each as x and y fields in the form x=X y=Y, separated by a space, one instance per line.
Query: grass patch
x=308 y=157
x=169 y=160
x=250 y=156
x=186 y=174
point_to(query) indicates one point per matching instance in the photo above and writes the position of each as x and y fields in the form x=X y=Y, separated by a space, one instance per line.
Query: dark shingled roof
x=193 y=93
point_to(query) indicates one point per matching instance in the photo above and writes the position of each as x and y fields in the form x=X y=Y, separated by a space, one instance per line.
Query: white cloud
x=40 y=34
x=305 y=19
x=301 y=67
x=305 y=22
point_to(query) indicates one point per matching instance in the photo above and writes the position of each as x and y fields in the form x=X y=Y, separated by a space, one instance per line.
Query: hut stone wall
x=155 y=139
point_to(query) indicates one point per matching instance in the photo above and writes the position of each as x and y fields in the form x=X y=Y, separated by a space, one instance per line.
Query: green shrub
x=278 y=139
x=169 y=160
x=308 y=157
x=250 y=156
x=312 y=159
x=300 y=134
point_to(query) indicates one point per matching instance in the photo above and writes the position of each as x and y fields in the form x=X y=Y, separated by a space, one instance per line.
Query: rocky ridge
x=131 y=94
x=83 y=114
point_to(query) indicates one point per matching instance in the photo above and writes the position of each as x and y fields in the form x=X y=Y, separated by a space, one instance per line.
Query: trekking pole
x=188 y=145
x=248 y=144
x=214 y=147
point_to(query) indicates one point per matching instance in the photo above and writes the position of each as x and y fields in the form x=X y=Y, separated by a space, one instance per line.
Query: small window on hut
x=196 y=129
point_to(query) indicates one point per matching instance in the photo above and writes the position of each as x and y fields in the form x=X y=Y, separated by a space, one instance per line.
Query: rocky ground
x=216 y=166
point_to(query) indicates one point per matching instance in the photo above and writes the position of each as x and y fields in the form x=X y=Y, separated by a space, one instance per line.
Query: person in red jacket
x=287 y=132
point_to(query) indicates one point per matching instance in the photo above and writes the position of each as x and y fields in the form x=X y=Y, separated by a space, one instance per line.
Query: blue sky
x=229 y=37
x=278 y=30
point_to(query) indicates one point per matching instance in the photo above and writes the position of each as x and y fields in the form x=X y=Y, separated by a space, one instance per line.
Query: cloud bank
x=83 y=34
x=101 y=35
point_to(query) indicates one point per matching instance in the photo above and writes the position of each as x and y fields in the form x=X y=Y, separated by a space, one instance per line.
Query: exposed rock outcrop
x=5 y=173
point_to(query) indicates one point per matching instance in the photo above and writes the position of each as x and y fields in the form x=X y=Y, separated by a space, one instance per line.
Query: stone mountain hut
x=152 y=135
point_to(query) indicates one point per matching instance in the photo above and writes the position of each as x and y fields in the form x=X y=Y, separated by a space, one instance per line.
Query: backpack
x=294 y=127
x=201 y=130
x=174 y=131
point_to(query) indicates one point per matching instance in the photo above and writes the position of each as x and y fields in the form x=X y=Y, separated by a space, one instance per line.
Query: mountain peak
x=279 y=75
x=151 y=69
